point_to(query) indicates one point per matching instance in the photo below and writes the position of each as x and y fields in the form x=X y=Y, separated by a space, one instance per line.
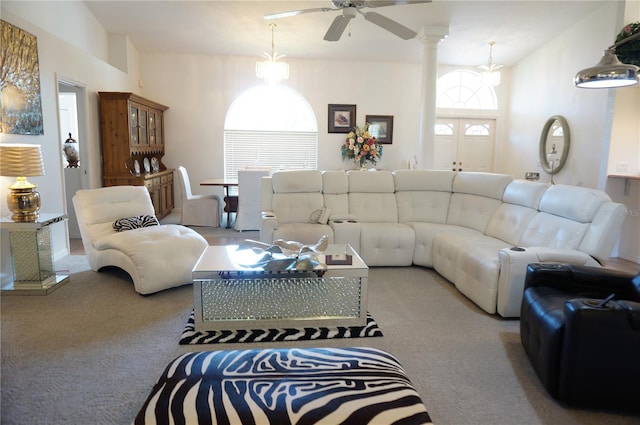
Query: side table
x=32 y=256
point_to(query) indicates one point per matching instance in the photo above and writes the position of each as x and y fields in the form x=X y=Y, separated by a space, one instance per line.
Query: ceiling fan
x=350 y=9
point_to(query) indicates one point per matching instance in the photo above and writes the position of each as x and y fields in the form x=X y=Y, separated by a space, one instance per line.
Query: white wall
x=200 y=89
x=542 y=86
x=75 y=62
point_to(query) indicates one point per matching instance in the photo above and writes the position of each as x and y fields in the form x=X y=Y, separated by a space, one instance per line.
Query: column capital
x=433 y=34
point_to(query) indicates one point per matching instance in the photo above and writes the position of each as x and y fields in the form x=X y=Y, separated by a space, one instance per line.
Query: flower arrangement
x=629 y=52
x=361 y=147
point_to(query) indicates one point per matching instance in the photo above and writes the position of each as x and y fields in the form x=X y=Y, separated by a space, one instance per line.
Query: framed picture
x=381 y=127
x=342 y=118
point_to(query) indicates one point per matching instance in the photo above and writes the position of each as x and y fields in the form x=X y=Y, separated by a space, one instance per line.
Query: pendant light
x=490 y=75
x=270 y=70
x=609 y=72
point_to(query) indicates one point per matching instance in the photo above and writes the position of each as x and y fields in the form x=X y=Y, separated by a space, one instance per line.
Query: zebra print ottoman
x=284 y=386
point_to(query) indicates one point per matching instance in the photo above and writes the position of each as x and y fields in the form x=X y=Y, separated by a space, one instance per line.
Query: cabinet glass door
x=159 y=136
x=133 y=124
x=152 y=127
x=142 y=126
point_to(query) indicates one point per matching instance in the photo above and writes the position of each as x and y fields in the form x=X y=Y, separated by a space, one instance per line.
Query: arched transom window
x=463 y=89
x=270 y=126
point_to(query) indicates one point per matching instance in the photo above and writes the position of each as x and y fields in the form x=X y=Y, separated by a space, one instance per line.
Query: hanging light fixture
x=270 y=70
x=490 y=75
x=609 y=72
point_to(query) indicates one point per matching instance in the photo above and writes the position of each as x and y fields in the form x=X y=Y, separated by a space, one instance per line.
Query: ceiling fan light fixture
x=490 y=76
x=271 y=70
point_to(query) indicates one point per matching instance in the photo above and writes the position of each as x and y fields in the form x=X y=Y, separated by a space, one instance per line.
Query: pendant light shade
x=490 y=75
x=270 y=70
x=609 y=72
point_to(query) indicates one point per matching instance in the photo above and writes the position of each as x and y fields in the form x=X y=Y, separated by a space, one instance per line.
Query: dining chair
x=249 y=190
x=197 y=210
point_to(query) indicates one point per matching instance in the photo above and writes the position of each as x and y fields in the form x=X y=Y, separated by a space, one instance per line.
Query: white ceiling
x=237 y=28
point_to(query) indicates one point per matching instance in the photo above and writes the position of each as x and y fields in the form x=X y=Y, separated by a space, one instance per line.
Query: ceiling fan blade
x=390 y=25
x=383 y=3
x=297 y=12
x=337 y=27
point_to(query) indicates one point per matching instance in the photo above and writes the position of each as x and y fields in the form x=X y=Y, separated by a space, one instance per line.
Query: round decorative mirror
x=554 y=144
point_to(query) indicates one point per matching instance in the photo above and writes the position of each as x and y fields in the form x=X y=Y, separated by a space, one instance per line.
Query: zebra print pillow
x=135 y=222
x=284 y=386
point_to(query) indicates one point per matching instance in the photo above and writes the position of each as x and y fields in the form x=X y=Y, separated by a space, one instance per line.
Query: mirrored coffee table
x=228 y=294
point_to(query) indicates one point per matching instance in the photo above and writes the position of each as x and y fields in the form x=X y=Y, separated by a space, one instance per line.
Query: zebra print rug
x=191 y=336
x=351 y=386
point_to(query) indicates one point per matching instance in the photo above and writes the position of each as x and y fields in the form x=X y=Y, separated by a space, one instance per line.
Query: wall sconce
x=609 y=72
x=21 y=161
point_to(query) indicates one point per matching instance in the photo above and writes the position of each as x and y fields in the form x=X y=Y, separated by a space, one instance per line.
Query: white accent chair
x=156 y=257
x=248 y=216
x=197 y=210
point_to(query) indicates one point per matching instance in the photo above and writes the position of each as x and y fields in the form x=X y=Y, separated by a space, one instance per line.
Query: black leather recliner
x=580 y=327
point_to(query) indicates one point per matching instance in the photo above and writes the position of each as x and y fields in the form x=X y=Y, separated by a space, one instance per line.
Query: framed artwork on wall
x=20 y=76
x=342 y=118
x=381 y=127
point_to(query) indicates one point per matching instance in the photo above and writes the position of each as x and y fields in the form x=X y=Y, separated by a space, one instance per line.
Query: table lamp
x=21 y=161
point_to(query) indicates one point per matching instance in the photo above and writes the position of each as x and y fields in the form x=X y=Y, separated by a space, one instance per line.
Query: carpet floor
x=90 y=352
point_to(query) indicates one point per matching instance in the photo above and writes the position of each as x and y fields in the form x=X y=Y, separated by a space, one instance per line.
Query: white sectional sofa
x=478 y=230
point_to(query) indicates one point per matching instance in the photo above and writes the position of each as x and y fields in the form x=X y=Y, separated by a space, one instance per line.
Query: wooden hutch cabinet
x=132 y=132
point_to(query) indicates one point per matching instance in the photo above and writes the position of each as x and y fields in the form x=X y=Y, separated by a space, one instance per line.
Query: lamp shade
x=609 y=72
x=21 y=160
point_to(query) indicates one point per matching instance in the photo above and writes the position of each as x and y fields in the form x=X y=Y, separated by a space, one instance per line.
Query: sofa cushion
x=424 y=180
x=472 y=211
x=371 y=182
x=386 y=244
x=478 y=272
x=335 y=189
x=551 y=231
x=296 y=181
x=575 y=203
x=424 y=235
x=371 y=196
x=509 y=222
x=297 y=207
x=524 y=193
x=423 y=206
x=488 y=185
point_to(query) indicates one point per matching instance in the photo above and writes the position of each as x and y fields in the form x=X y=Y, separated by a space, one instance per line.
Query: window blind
x=273 y=149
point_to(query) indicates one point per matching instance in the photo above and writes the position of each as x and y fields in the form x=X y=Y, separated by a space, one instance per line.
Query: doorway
x=72 y=120
x=464 y=144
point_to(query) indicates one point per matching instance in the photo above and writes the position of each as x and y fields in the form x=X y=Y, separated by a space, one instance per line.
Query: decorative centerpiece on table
x=629 y=53
x=361 y=147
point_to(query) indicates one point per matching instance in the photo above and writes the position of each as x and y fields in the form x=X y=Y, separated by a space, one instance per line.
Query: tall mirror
x=554 y=144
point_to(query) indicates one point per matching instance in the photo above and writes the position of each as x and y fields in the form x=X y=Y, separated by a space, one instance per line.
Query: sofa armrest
x=595 y=281
x=513 y=269
x=268 y=224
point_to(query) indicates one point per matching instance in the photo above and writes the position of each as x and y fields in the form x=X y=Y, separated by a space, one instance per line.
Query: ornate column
x=430 y=37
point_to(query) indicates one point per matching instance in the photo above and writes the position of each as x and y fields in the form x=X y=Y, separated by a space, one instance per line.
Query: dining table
x=230 y=201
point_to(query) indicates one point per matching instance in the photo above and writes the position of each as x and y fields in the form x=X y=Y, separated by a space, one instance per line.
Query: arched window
x=270 y=126
x=463 y=89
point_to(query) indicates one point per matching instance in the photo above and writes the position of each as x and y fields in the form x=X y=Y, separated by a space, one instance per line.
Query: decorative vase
x=70 y=151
